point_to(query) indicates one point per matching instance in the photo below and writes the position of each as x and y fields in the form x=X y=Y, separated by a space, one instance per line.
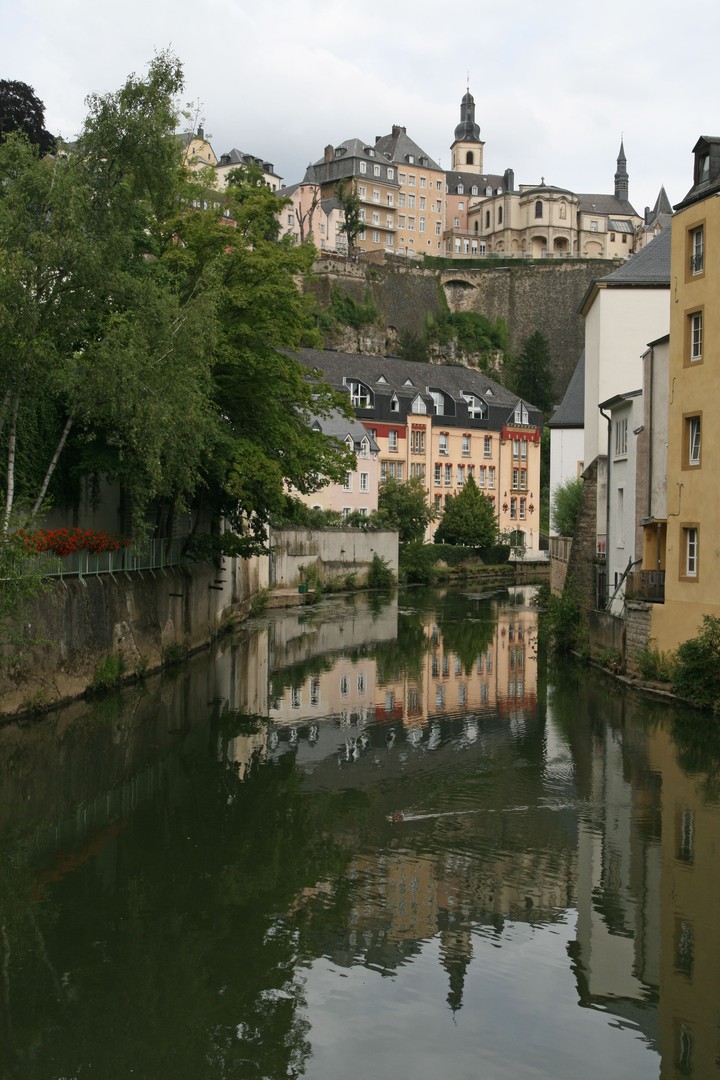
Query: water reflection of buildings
x=445 y=674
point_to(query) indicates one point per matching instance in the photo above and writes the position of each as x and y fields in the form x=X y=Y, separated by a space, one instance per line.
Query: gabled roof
x=570 y=413
x=648 y=268
x=339 y=427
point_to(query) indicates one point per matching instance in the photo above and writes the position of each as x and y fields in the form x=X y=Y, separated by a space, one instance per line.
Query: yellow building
x=421 y=195
x=692 y=577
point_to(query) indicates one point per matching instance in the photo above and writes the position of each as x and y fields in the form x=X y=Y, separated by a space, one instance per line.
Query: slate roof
x=399 y=146
x=570 y=413
x=606 y=205
x=239 y=157
x=339 y=427
x=710 y=184
x=470 y=180
x=347 y=163
x=405 y=379
x=651 y=266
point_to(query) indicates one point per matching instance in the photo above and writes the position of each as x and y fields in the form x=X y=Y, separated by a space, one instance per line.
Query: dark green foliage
x=417 y=563
x=566 y=506
x=475 y=335
x=529 y=375
x=654 y=665
x=346 y=194
x=22 y=111
x=404 y=506
x=413 y=347
x=468 y=519
x=380 y=576
x=697 y=666
x=561 y=618
x=344 y=309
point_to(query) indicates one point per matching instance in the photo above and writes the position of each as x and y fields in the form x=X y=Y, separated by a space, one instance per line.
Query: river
x=378 y=837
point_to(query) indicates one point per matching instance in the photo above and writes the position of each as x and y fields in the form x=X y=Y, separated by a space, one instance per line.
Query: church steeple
x=467 y=147
x=621 y=176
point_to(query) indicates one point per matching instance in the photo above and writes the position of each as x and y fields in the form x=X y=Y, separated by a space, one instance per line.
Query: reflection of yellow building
x=689 y=905
x=503 y=676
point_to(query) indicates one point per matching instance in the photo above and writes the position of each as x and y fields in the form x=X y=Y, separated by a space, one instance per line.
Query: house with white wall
x=567 y=435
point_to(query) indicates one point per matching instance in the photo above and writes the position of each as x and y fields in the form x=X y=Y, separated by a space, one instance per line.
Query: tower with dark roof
x=467 y=147
x=621 y=176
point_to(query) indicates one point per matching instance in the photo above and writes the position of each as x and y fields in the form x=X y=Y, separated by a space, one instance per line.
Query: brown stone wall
x=582 y=562
x=638 y=617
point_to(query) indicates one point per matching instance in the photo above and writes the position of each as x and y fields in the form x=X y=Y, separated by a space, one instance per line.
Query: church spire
x=467 y=147
x=621 y=176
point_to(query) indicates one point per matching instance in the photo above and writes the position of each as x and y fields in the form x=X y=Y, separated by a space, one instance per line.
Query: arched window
x=499 y=215
x=538 y=208
x=487 y=219
x=469 y=158
x=460 y=189
x=476 y=225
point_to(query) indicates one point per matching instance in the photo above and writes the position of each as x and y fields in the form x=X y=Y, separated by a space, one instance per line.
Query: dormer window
x=477 y=408
x=521 y=416
x=411 y=159
x=488 y=191
x=460 y=189
x=364 y=448
x=474 y=189
x=702 y=167
x=394 y=404
x=418 y=406
x=361 y=396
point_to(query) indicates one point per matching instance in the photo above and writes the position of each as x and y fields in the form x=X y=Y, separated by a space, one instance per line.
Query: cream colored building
x=421 y=194
x=236 y=159
x=310 y=218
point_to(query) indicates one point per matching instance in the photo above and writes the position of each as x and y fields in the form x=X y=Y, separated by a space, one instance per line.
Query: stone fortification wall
x=138 y=616
x=529 y=296
x=332 y=551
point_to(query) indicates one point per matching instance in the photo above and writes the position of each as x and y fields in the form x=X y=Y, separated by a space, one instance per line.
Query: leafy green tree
x=468 y=520
x=530 y=373
x=352 y=223
x=23 y=112
x=404 y=506
x=566 y=506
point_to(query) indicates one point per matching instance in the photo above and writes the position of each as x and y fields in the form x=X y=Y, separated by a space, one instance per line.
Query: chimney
x=201 y=133
x=329 y=152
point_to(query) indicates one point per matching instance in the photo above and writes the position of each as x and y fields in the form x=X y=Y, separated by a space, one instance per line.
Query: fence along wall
x=137 y=615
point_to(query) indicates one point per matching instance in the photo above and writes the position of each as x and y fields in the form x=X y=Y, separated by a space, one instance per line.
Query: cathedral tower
x=467 y=147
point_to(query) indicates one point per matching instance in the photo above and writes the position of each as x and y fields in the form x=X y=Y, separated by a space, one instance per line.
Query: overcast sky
x=555 y=85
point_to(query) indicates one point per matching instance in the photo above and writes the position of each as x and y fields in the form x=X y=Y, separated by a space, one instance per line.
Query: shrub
x=380 y=576
x=655 y=665
x=612 y=660
x=175 y=653
x=108 y=673
x=697 y=666
x=417 y=563
x=561 y=617
x=566 y=506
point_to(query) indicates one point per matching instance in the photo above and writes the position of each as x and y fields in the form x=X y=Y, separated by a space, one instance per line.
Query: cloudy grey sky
x=554 y=85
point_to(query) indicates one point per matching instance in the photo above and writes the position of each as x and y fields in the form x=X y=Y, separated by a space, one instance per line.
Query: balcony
x=648 y=585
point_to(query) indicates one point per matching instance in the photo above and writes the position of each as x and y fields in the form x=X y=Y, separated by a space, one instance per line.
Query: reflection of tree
x=404 y=655
x=202 y=977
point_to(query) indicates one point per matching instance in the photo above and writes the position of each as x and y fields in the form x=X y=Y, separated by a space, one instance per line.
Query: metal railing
x=646 y=585
x=145 y=555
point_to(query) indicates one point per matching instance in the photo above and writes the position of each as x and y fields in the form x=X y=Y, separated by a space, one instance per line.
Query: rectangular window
x=422 y=181
x=383 y=471
x=362 y=190
x=516 y=448
x=376 y=195
x=375 y=218
x=411 y=224
x=411 y=180
x=689 y=568
x=438 y=475
x=481 y=476
x=347 y=486
x=621 y=428
x=411 y=202
x=491 y=476
x=691 y=438
x=466 y=446
x=438 y=228
x=401 y=221
x=523 y=503
x=364 y=481
x=421 y=225
x=444 y=445
x=695 y=333
x=376 y=236
x=513 y=509
x=390 y=199
x=422 y=202
x=515 y=479
x=697 y=250
x=417 y=442
x=438 y=503
x=487 y=446
x=401 y=199
x=393 y=441
x=460 y=475
x=448 y=475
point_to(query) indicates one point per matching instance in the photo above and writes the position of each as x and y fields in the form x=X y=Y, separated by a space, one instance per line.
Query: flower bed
x=69 y=541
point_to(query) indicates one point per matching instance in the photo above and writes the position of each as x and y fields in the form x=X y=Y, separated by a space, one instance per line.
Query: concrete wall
x=137 y=615
x=332 y=551
x=606 y=633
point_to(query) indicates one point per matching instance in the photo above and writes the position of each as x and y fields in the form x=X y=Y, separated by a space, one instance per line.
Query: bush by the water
x=561 y=618
x=697 y=666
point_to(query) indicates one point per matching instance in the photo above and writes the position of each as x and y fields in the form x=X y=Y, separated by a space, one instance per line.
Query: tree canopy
x=566 y=506
x=530 y=374
x=149 y=324
x=469 y=519
x=22 y=111
x=404 y=506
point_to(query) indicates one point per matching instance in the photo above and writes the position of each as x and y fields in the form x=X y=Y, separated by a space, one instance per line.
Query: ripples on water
x=363 y=840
